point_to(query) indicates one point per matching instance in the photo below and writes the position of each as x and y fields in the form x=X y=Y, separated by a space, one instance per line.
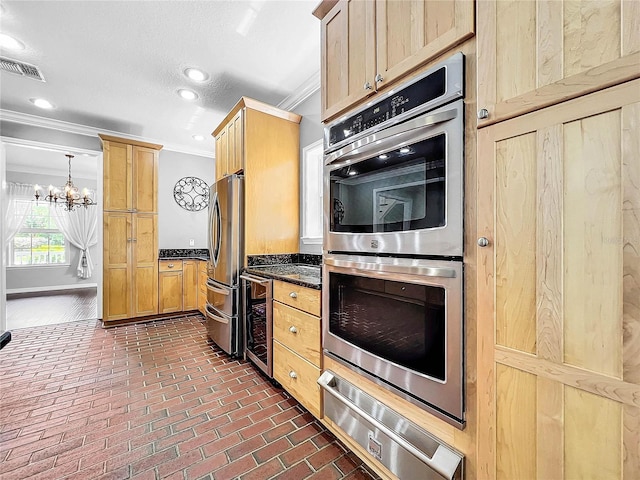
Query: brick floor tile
x=256 y=429
x=35 y=445
x=329 y=472
x=359 y=474
x=221 y=445
x=235 y=426
x=180 y=463
x=266 y=470
x=173 y=440
x=279 y=431
x=28 y=469
x=94 y=471
x=272 y=450
x=297 y=472
x=235 y=469
x=328 y=454
x=347 y=463
x=297 y=453
x=245 y=447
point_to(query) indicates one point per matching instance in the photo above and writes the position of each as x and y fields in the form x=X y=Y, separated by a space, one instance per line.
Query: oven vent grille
x=21 y=68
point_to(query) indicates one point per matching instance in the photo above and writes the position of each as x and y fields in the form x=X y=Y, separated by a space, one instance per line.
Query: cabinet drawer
x=303 y=298
x=170 y=265
x=298 y=377
x=297 y=330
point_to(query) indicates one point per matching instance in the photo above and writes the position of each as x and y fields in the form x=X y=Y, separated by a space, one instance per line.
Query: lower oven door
x=223 y=330
x=399 y=322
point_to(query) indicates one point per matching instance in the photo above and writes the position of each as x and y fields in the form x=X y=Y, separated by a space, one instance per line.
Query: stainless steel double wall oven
x=393 y=213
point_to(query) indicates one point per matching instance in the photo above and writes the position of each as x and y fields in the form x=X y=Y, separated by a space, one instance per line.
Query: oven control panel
x=432 y=89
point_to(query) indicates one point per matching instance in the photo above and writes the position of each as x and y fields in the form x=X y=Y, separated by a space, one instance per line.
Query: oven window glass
x=399 y=190
x=400 y=322
x=256 y=318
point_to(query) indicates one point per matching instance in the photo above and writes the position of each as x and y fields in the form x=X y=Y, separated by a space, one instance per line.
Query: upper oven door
x=400 y=190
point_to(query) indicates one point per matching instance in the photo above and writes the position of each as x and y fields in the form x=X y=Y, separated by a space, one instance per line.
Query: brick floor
x=150 y=401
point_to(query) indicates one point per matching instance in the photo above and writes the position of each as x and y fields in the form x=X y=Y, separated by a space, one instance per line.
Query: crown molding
x=77 y=129
x=310 y=86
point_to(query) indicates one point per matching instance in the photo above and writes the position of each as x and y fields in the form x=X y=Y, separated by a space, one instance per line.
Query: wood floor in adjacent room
x=151 y=401
x=48 y=308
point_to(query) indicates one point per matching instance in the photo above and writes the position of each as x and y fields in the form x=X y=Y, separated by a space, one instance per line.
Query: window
x=312 y=193
x=38 y=242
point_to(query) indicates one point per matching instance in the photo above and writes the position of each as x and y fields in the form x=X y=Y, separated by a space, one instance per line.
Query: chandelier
x=69 y=195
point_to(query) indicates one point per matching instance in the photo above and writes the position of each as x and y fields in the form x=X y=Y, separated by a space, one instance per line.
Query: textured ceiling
x=116 y=65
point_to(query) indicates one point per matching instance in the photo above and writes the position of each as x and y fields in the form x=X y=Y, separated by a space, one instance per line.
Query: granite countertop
x=297 y=268
x=183 y=254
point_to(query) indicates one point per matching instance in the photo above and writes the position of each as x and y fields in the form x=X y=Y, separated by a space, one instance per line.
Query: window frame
x=27 y=230
x=308 y=176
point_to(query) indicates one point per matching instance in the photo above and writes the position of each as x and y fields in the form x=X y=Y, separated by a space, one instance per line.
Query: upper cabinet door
x=536 y=54
x=117 y=177
x=348 y=55
x=222 y=154
x=145 y=179
x=236 y=134
x=410 y=33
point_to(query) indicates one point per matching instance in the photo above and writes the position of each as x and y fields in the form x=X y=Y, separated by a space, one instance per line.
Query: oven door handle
x=393 y=137
x=427 y=271
x=251 y=278
x=443 y=461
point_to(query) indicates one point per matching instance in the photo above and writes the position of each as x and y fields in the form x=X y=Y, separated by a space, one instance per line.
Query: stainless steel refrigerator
x=226 y=254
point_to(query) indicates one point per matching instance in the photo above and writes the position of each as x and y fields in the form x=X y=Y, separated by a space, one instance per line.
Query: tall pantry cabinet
x=559 y=239
x=130 y=220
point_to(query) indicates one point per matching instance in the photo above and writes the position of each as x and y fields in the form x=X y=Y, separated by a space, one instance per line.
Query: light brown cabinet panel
x=118 y=173
x=145 y=264
x=117 y=256
x=170 y=291
x=536 y=54
x=298 y=331
x=298 y=377
x=303 y=298
x=145 y=179
x=202 y=286
x=222 y=154
x=235 y=138
x=348 y=55
x=368 y=46
x=189 y=285
x=558 y=290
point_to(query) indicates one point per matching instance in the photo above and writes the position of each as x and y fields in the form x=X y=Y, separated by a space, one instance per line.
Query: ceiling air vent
x=21 y=68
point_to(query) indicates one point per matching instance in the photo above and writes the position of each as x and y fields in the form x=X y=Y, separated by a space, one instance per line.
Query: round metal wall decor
x=191 y=193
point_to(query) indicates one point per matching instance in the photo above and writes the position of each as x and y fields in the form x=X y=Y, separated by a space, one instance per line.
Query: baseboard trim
x=53 y=288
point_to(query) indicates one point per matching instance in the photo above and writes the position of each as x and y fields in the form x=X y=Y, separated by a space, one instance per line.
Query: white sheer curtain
x=15 y=208
x=80 y=228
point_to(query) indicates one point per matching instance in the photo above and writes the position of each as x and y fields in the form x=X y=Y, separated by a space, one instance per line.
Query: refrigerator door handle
x=211 y=314
x=217 y=228
x=209 y=233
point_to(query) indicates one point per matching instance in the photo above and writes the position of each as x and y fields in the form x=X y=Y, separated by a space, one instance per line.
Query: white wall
x=35 y=278
x=311 y=130
x=175 y=224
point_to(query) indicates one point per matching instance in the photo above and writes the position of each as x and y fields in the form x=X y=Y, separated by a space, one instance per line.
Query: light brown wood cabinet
x=170 y=286
x=559 y=290
x=130 y=240
x=229 y=147
x=367 y=46
x=266 y=147
x=202 y=286
x=536 y=54
x=297 y=359
x=189 y=285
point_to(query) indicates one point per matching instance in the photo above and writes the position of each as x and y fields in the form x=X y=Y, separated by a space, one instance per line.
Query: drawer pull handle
x=293 y=374
x=293 y=329
x=170 y=265
x=293 y=295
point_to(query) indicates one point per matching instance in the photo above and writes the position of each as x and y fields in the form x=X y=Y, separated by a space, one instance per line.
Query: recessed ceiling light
x=42 y=103
x=383 y=156
x=196 y=75
x=199 y=138
x=405 y=150
x=187 y=94
x=10 y=43
x=353 y=172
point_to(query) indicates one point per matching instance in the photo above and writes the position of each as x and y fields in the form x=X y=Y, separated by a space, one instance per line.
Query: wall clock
x=191 y=193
